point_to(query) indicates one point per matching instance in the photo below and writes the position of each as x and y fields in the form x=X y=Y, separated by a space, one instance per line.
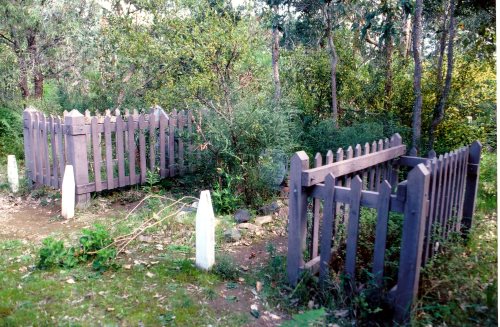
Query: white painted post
x=12 y=173
x=68 y=193
x=205 y=232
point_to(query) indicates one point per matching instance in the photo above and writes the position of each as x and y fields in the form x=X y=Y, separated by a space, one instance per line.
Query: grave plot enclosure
x=107 y=151
x=436 y=199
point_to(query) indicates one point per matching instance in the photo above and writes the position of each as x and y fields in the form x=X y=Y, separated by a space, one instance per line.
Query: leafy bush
x=225 y=268
x=94 y=247
x=11 y=133
x=224 y=196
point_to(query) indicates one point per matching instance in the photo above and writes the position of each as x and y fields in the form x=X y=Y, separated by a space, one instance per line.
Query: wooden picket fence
x=107 y=151
x=437 y=197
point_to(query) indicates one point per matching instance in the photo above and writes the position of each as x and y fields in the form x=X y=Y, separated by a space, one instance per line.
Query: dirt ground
x=34 y=218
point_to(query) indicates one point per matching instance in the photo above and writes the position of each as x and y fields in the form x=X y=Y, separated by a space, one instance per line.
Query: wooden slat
x=142 y=148
x=120 y=152
x=449 y=194
x=327 y=227
x=55 y=168
x=163 y=124
x=436 y=214
x=384 y=201
x=316 y=175
x=444 y=193
x=171 y=143
x=190 y=140
x=339 y=207
x=297 y=218
x=455 y=191
x=411 y=243
x=32 y=137
x=428 y=240
x=47 y=176
x=318 y=161
x=373 y=169
x=96 y=146
x=366 y=176
x=380 y=169
x=109 y=152
x=464 y=179
x=131 y=151
x=181 y=121
x=353 y=230
x=60 y=149
x=458 y=192
x=395 y=141
x=38 y=150
x=329 y=157
x=152 y=141
x=471 y=185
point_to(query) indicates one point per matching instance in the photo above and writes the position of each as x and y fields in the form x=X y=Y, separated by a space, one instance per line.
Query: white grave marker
x=68 y=193
x=12 y=173
x=205 y=232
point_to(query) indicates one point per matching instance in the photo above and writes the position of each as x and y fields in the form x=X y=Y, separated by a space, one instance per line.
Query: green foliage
x=93 y=247
x=488 y=185
x=225 y=268
x=224 y=196
x=11 y=133
x=307 y=318
x=152 y=178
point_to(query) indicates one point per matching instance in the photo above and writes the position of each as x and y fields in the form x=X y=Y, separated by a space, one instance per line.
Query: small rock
x=150 y=275
x=269 y=209
x=194 y=205
x=250 y=227
x=110 y=309
x=310 y=304
x=254 y=311
x=258 y=287
x=263 y=220
x=145 y=239
x=127 y=266
x=341 y=313
x=70 y=281
x=232 y=235
x=242 y=216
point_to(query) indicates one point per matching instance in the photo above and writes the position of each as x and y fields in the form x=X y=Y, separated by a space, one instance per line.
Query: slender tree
x=327 y=14
x=417 y=76
x=275 y=48
x=443 y=92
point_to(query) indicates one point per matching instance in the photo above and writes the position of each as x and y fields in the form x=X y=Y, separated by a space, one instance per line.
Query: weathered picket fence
x=108 y=151
x=437 y=197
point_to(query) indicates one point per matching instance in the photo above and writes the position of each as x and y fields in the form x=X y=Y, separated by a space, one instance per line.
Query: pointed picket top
x=413 y=152
x=135 y=114
x=340 y=154
x=380 y=145
x=68 y=193
x=396 y=139
x=87 y=116
x=107 y=112
x=386 y=143
x=318 y=160
x=205 y=232
x=349 y=152
x=374 y=147
x=117 y=112
x=357 y=150
x=366 y=149
x=127 y=113
x=329 y=157
x=65 y=113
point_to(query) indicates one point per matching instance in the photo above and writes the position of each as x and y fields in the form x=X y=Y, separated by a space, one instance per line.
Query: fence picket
x=316 y=214
x=163 y=124
x=171 y=143
x=339 y=205
x=45 y=137
x=109 y=151
x=327 y=227
x=60 y=149
x=120 y=152
x=445 y=183
x=131 y=150
x=384 y=198
x=450 y=190
x=464 y=179
x=96 y=154
x=353 y=230
x=55 y=178
x=190 y=141
x=181 y=119
x=432 y=207
x=329 y=157
x=366 y=180
x=152 y=140
x=373 y=170
x=142 y=148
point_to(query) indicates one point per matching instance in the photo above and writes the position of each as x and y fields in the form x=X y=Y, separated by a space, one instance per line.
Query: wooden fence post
x=28 y=146
x=412 y=241
x=471 y=185
x=297 y=218
x=77 y=152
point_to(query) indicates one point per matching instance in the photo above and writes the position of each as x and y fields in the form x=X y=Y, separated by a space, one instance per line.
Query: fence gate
x=436 y=199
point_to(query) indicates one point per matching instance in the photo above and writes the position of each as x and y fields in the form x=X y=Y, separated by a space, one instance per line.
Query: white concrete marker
x=68 y=193
x=205 y=232
x=12 y=173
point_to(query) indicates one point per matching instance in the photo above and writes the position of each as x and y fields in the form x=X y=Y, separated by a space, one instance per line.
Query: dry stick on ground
x=124 y=240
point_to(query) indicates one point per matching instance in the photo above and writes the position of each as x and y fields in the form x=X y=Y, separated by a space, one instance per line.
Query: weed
x=225 y=268
x=225 y=198
x=152 y=178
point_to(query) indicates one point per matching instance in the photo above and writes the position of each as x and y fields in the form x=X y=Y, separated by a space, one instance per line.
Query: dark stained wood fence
x=436 y=199
x=108 y=151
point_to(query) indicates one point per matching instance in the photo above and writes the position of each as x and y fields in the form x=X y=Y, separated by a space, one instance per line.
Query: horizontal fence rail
x=107 y=151
x=436 y=200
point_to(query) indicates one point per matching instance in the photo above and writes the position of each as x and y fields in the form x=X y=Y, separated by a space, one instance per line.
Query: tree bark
x=417 y=76
x=439 y=109
x=388 y=64
x=276 y=56
x=333 y=63
x=33 y=51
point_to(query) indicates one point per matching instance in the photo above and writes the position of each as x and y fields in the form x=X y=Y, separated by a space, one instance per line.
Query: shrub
x=11 y=133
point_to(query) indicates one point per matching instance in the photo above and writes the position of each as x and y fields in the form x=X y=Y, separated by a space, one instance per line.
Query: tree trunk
x=333 y=63
x=38 y=77
x=23 y=75
x=388 y=65
x=276 y=56
x=406 y=39
x=417 y=77
x=439 y=109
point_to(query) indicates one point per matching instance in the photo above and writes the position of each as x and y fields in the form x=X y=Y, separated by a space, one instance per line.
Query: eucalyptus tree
x=49 y=38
